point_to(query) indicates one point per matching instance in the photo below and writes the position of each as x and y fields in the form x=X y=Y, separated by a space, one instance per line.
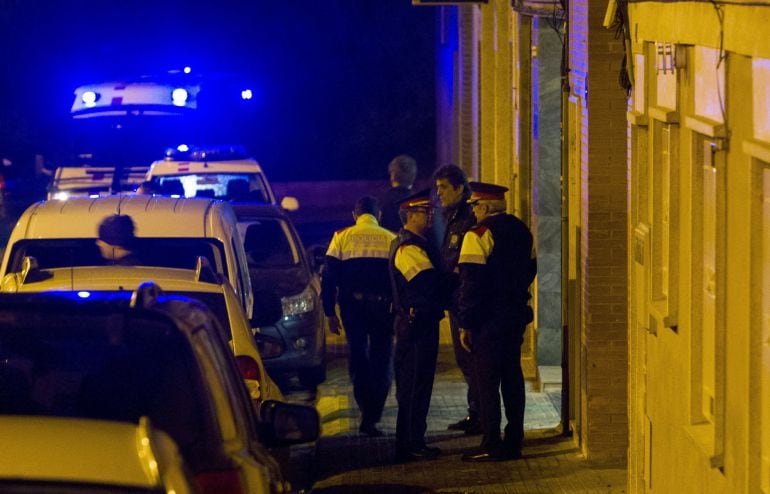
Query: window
x=665 y=227
x=708 y=236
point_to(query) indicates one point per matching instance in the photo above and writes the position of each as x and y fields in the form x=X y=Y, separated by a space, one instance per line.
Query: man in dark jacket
x=419 y=300
x=453 y=192
x=497 y=267
x=356 y=277
x=402 y=171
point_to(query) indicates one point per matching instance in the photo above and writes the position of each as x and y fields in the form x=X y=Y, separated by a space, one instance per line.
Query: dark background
x=341 y=86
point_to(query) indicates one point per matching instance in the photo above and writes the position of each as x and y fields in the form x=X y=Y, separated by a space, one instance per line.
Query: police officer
x=496 y=269
x=453 y=192
x=356 y=276
x=419 y=299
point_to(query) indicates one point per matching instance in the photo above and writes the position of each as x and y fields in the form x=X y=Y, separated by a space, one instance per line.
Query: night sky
x=342 y=86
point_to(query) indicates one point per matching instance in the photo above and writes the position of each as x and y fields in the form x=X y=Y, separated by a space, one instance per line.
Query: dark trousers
x=465 y=363
x=497 y=365
x=415 y=363
x=369 y=333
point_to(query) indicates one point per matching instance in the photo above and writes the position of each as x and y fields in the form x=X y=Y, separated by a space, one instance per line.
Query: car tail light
x=220 y=482
x=249 y=367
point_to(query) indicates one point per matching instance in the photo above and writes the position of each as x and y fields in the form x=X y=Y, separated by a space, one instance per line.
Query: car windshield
x=268 y=243
x=237 y=187
x=164 y=252
x=103 y=365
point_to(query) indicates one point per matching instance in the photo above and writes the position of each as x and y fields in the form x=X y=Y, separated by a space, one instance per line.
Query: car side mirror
x=317 y=256
x=267 y=308
x=284 y=424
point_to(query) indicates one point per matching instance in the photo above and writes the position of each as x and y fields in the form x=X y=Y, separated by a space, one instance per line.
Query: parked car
x=171 y=232
x=58 y=455
x=277 y=261
x=221 y=172
x=127 y=355
x=199 y=282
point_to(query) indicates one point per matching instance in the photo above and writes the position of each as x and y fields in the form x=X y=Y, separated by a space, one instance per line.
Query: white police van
x=93 y=181
x=220 y=172
x=171 y=232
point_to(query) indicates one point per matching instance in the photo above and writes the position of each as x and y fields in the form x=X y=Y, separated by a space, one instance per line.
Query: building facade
x=664 y=202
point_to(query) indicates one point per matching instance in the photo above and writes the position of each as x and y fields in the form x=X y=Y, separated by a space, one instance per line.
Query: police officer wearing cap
x=496 y=269
x=356 y=276
x=419 y=296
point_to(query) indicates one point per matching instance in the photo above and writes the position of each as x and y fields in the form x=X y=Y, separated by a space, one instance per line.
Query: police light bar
x=184 y=152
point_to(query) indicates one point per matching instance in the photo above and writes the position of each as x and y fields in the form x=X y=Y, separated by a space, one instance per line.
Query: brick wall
x=594 y=62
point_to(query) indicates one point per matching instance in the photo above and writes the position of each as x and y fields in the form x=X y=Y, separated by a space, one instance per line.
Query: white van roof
x=172 y=167
x=79 y=217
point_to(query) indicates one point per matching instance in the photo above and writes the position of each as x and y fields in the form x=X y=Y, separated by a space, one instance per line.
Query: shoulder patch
x=479 y=229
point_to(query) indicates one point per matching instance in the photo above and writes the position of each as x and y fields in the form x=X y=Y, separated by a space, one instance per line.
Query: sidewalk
x=345 y=462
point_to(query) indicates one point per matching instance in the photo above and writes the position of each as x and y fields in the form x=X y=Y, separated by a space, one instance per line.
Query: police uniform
x=496 y=268
x=419 y=295
x=356 y=277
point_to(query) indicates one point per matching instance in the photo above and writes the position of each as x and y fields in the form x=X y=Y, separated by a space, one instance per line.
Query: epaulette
x=479 y=229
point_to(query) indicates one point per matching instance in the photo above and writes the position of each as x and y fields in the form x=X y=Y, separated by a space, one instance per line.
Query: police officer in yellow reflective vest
x=356 y=277
x=420 y=297
x=496 y=268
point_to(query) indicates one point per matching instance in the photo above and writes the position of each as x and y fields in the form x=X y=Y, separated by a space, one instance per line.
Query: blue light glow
x=179 y=96
x=183 y=148
x=187 y=69
x=84 y=294
x=246 y=94
x=89 y=98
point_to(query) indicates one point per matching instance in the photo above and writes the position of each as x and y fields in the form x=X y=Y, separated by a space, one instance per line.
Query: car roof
x=77 y=450
x=188 y=167
x=79 y=217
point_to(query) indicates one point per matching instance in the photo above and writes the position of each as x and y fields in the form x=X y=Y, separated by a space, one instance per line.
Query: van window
x=238 y=187
x=163 y=252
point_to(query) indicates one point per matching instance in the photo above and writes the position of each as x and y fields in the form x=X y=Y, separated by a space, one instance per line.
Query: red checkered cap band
x=486 y=196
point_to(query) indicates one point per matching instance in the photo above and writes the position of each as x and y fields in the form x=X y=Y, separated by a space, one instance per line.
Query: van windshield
x=163 y=252
x=237 y=187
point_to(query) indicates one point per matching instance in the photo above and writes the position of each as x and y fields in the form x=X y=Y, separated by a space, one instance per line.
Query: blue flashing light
x=183 y=148
x=84 y=294
x=246 y=94
x=187 y=69
x=179 y=96
x=89 y=98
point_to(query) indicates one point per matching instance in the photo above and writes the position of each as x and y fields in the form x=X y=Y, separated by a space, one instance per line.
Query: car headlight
x=299 y=304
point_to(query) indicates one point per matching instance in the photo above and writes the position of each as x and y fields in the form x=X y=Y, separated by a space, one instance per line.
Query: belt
x=368 y=297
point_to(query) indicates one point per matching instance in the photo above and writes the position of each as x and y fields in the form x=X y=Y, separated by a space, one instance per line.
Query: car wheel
x=311 y=377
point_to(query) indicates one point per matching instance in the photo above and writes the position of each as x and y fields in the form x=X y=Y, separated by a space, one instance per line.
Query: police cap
x=481 y=191
x=419 y=199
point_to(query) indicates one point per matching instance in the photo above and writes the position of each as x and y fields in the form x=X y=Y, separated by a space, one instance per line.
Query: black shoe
x=370 y=430
x=465 y=424
x=496 y=455
x=417 y=454
x=474 y=428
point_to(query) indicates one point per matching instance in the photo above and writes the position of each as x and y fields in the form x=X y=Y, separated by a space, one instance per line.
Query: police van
x=93 y=181
x=171 y=232
x=221 y=172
